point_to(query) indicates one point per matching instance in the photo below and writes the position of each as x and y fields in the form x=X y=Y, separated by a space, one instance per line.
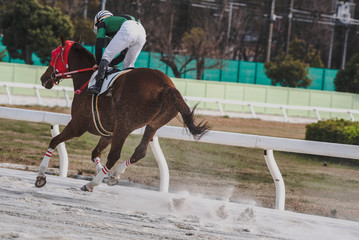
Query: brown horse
x=141 y=97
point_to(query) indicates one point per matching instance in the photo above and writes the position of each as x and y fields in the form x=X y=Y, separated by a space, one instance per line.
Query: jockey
x=128 y=37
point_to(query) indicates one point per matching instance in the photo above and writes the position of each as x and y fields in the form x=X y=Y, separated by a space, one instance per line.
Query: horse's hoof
x=112 y=181
x=40 y=181
x=84 y=188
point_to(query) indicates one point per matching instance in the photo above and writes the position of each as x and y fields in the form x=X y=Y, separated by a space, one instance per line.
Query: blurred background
x=230 y=40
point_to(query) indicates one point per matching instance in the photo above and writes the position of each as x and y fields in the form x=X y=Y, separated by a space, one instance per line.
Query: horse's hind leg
x=65 y=135
x=161 y=119
x=96 y=153
x=140 y=152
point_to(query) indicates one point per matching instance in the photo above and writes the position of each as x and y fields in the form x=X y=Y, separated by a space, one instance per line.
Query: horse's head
x=62 y=60
x=58 y=64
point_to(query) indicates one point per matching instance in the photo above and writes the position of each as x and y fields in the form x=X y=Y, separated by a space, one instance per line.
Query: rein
x=69 y=74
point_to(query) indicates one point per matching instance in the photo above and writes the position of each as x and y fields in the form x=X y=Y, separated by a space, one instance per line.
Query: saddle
x=110 y=77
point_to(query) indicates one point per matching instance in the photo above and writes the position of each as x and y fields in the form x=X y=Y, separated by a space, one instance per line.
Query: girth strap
x=96 y=118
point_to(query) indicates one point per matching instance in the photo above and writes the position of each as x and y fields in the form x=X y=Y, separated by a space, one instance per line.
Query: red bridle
x=60 y=68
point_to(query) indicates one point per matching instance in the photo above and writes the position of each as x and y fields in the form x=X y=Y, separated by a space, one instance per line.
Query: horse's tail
x=197 y=130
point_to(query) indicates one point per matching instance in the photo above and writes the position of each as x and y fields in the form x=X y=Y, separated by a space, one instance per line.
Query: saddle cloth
x=110 y=78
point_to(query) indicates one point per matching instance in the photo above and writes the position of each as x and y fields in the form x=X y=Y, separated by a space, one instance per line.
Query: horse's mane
x=84 y=51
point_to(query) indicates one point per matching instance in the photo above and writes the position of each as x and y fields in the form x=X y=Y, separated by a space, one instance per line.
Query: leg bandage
x=100 y=175
x=122 y=167
x=49 y=152
x=98 y=164
x=45 y=161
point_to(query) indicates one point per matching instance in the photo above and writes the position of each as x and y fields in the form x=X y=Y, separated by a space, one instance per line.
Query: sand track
x=61 y=211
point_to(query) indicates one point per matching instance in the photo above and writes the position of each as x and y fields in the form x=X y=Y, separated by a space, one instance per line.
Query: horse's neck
x=77 y=61
x=80 y=80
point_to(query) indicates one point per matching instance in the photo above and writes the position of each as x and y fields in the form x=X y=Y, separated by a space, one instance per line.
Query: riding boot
x=95 y=89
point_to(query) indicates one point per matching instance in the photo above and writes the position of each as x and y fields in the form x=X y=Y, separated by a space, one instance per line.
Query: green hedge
x=336 y=131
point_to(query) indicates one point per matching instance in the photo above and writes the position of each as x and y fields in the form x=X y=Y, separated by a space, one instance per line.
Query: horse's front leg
x=118 y=140
x=65 y=135
x=96 y=153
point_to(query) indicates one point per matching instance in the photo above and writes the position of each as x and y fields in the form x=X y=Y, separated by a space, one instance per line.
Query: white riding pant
x=131 y=35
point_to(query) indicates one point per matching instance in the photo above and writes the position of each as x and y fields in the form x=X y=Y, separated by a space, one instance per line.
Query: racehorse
x=140 y=97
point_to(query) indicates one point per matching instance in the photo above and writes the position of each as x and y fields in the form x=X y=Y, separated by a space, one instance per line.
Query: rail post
x=220 y=108
x=252 y=110
x=278 y=179
x=162 y=164
x=8 y=93
x=284 y=114
x=64 y=160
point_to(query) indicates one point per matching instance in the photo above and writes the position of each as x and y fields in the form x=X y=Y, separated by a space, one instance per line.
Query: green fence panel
x=316 y=74
x=341 y=100
x=261 y=76
x=192 y=65
x=90 y=48
x=213 y=74
x=355 y=105
x=230 y=71
x=143 y=60
x=6 y=72
x=156 y=63
x=255 y=93
x=2 y=48
x=329 y=76
x=181 y=85
x=247 y=72
x=320 y=99
x=298 y=97
x=169 y=72
x=355 y=101
x=276 y=95
x=234 y=91
x=24 y=74
x=37 y=60
x=214 y=90
x=196 y=88
x=21 y=73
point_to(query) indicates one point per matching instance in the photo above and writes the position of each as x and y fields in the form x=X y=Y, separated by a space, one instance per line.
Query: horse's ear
x=62 y=38
x=79 y=39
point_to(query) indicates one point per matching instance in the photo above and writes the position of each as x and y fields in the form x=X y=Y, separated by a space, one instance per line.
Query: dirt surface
x=59 y=210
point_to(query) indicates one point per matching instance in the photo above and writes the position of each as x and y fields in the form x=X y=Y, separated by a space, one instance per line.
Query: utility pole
x=329 y=63
x=85 y=9
x=289 y=29
x=103 y=4
x=345 y=46
x=271 y=19
x=331 y=47
x=229 y=19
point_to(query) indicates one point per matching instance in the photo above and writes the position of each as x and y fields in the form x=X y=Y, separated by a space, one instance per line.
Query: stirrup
x=94 y=90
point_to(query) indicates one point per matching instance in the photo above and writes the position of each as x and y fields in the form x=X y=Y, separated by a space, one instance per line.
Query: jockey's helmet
x=99 y=16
